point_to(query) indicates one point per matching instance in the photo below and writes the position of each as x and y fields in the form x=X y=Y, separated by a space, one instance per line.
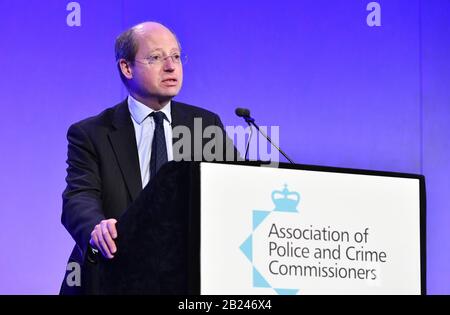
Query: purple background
x=343 y=93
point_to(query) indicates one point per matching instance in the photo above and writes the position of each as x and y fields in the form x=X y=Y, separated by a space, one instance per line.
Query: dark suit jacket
x=103 y=174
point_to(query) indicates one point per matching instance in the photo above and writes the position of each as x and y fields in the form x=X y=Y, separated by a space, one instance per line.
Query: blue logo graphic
x=285 y=201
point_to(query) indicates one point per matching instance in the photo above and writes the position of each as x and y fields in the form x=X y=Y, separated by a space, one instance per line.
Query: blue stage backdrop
x=351 y=83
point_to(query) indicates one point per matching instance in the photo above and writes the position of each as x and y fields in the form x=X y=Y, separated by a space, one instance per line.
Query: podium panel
x=306 y=230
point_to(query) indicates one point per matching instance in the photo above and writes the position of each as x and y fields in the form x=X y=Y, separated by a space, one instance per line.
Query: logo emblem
x=285 y=201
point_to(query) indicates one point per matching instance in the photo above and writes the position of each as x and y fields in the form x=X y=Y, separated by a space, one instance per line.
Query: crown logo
x=285 y=200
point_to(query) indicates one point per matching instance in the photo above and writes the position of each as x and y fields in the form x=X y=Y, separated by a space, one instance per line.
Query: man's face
x=159 y=81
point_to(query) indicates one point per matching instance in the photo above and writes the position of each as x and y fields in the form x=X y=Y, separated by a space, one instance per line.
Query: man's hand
x=102 y=237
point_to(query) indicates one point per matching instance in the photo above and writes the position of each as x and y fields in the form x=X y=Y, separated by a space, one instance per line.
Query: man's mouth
x=170 y=80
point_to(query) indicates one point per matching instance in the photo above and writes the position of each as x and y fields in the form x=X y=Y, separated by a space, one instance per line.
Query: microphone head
x=242 y=112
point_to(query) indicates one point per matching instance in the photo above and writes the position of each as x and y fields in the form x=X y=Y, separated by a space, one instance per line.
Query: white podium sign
x=288 y=231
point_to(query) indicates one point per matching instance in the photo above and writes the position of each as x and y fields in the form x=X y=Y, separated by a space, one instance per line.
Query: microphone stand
x=251 y=121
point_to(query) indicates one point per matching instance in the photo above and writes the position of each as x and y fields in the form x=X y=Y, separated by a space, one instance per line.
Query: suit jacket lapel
x=123 y=141
x=181 y=118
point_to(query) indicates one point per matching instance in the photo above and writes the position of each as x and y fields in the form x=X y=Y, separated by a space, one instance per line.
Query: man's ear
x=125 y=68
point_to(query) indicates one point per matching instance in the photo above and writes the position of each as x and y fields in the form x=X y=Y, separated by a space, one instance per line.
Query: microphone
x=242 y=112
x=245 y=113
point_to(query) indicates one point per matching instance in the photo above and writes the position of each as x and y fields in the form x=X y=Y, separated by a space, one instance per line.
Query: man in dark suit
x=112 y=156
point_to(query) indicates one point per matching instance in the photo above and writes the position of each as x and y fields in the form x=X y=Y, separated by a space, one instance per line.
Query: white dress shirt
x=144 y=128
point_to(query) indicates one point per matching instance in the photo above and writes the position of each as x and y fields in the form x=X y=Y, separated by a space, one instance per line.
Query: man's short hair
x=126 y=47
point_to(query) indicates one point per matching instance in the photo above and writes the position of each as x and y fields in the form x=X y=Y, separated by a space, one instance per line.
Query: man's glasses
x=159 y=59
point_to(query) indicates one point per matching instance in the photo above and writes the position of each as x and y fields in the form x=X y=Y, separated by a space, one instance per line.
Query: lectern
x=250 y=228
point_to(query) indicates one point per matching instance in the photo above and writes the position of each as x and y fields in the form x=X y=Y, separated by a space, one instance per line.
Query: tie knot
x=158 y=117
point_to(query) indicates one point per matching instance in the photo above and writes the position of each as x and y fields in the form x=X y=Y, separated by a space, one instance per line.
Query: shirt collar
x=139 y=111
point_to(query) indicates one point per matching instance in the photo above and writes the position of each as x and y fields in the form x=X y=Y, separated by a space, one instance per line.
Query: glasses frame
x=148 y=60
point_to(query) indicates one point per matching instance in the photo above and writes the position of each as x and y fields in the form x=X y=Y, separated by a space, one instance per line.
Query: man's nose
x=168 y=64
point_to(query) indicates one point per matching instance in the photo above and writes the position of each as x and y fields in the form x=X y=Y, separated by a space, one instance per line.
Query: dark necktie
x=159 y=150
